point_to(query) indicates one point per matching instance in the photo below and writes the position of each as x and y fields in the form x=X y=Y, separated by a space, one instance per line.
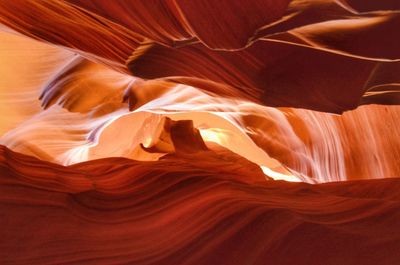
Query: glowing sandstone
x=151 y=132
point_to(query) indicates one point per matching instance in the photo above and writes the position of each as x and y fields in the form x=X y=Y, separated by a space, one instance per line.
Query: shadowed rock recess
x=200 y=132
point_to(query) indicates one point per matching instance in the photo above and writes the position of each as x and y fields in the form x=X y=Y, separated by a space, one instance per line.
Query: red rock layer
x=198 y=203
x=189 y=209
x=317 y=55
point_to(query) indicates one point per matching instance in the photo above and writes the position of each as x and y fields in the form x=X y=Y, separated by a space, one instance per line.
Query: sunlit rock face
x=159 y=132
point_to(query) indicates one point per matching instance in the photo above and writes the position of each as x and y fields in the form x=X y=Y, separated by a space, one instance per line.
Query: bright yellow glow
x=221 y=137
x=213 y=135
x=147 y=142
x=279 y=176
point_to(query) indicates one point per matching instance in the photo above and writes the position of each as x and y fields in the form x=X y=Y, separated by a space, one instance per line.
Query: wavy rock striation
x=189 y=209
x=151 y=132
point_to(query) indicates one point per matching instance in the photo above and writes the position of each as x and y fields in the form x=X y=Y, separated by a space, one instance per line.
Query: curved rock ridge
x=92 y=111
x=242 y=50
x=159 y=132
x=181 y=210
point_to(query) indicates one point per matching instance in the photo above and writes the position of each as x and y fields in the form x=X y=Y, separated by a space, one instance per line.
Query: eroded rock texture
x=159 y=132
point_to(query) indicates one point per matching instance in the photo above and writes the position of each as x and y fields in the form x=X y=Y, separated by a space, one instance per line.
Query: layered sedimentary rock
x=189 y=209
x=152 y=132
x=263 y=43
